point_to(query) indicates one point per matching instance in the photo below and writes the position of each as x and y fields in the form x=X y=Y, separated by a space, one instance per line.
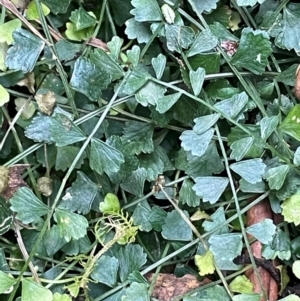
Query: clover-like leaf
x=251 y=170
x=80 y=196
x=210 y=188
x=146 y=10
x=199 y=6
x=64 y=132
x=106 y=270
x=291 y=209
x=268 y=126
x=178 y=37
x=25 y=51
x=32 y=11
x=6 y=282
x=217 y=219
x=89 y=79
x=28 y=207
x=105 y=158
x=4 y=96
x=137 y=137
x=150 y=93
x=141 y=216
x=70 y=225
x=240 y=148
x=225 y=248
x=57 y=6
x=202 y=124
x=34 y=291
x=159 y=64
x=241 y=284
x=249 y=2
x=276 y=176
x=137 y=30
x=7 y=29
x=247 y=297
x=176 y=228
x=82 y=19
x=253 y=51
x=286 y=37
x=110 y=204
x=187 y=195
x=291 y=123
x=135 y=182
x=195 y=143
x=131 y=258
x=205 y=263
x=137 y=292
x=166 y=102
x=197 y=78
x=263 y=231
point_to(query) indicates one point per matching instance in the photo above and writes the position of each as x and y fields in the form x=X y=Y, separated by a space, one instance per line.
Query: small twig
x=24 y=252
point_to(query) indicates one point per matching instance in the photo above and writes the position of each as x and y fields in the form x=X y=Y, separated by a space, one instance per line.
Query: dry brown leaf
x=15 y=180
x=168 y=286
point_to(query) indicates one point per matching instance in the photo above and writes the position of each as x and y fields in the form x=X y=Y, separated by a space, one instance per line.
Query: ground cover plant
x=149 y=150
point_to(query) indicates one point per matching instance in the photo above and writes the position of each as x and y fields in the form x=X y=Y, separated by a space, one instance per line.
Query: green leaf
x=203 y=42
x=197 y=78
x=150 y=93
x=288 y=76
x=28 y=207
x=258 y=187
x=205 y=263
x=146 y=10
x=32 y=11
x=136 y=292
x=214 y=293
x=64 y=132
x=6 y=217
x=276 y=176
x=78 y=35
x=82 y=19
x=59 y=297
x=268 y=126
x=57 y=6
x=290 y=298
x=70 y=225
x=210 y=188
x=286 y=37
x=106 y=270
x=89 y=79
x=165 y=103
x=296 y=159
x=4 y=96
x=157 y=218
x=178 y=37
x=175 y=227
x=202 y=124
x=247 y=297
x=110 y=204
x=187 y=195
x=249 y=2
x=25 y=51
x=6 y=282
x=105 y=62
x=233 y=106
x=39 y=129
x=131 y=258
x=195 y=143
x=262 y=231
x=159 y=64
x=52 y=241
x=81 y=195
x=240 y=148
x=296 y=268
x=291 y=209
x=141 y=216
x=135 y=182
x=7 y=29
x=152 y=164
x=253 y=51
x=32 y=291
x=65 y=157
x=225 y=248
x=251 y=170
x=137 y=30
x=137 y=137
x=134 y=55
x=241 y=284
x=208 y=61
x=291 y=123
x=199 y=6
x=105 y=158
x=115 y=47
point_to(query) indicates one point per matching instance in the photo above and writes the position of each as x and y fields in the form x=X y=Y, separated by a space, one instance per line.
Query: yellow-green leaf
x=241 y=284
x=32 y=11
x=205 y=263
x=4 y=96
x=291 y=209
